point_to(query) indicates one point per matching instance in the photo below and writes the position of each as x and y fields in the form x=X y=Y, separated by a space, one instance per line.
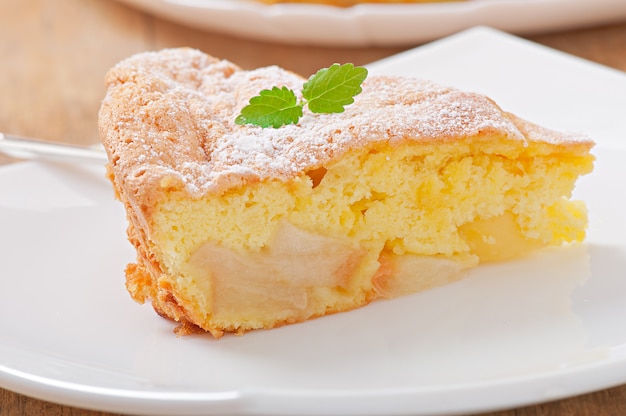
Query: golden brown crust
x=167 y=123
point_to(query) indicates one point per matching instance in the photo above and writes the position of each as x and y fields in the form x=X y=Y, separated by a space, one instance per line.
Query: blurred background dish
x=380 y=24
x=346 y=3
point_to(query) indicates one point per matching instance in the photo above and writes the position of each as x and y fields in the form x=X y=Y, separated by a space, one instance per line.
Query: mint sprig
x=271 y=108
x=329 y=90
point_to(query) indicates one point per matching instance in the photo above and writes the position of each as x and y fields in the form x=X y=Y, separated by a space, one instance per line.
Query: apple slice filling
x=279 y=277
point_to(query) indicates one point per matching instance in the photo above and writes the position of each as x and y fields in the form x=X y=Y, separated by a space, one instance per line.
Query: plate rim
x=365 y=24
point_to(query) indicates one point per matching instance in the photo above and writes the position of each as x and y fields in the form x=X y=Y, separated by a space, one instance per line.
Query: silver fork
x=29 y=148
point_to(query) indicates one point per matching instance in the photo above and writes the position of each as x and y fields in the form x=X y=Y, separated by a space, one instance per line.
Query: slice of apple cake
x=239 y=227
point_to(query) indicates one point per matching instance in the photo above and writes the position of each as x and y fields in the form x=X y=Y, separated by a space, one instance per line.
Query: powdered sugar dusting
x=175 y=110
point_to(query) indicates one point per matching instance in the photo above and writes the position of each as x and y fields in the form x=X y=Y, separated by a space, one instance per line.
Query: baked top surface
x=170 y=115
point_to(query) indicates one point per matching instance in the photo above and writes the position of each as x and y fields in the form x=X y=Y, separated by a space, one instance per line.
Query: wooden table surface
x=53 y=56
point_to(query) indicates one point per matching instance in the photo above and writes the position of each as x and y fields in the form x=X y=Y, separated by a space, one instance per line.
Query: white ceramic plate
x=380 y=24
x=544 y=328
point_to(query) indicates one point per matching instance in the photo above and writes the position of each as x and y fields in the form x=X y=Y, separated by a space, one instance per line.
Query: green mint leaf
x=271 y=108
x=327 y=91
x=331 y=89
